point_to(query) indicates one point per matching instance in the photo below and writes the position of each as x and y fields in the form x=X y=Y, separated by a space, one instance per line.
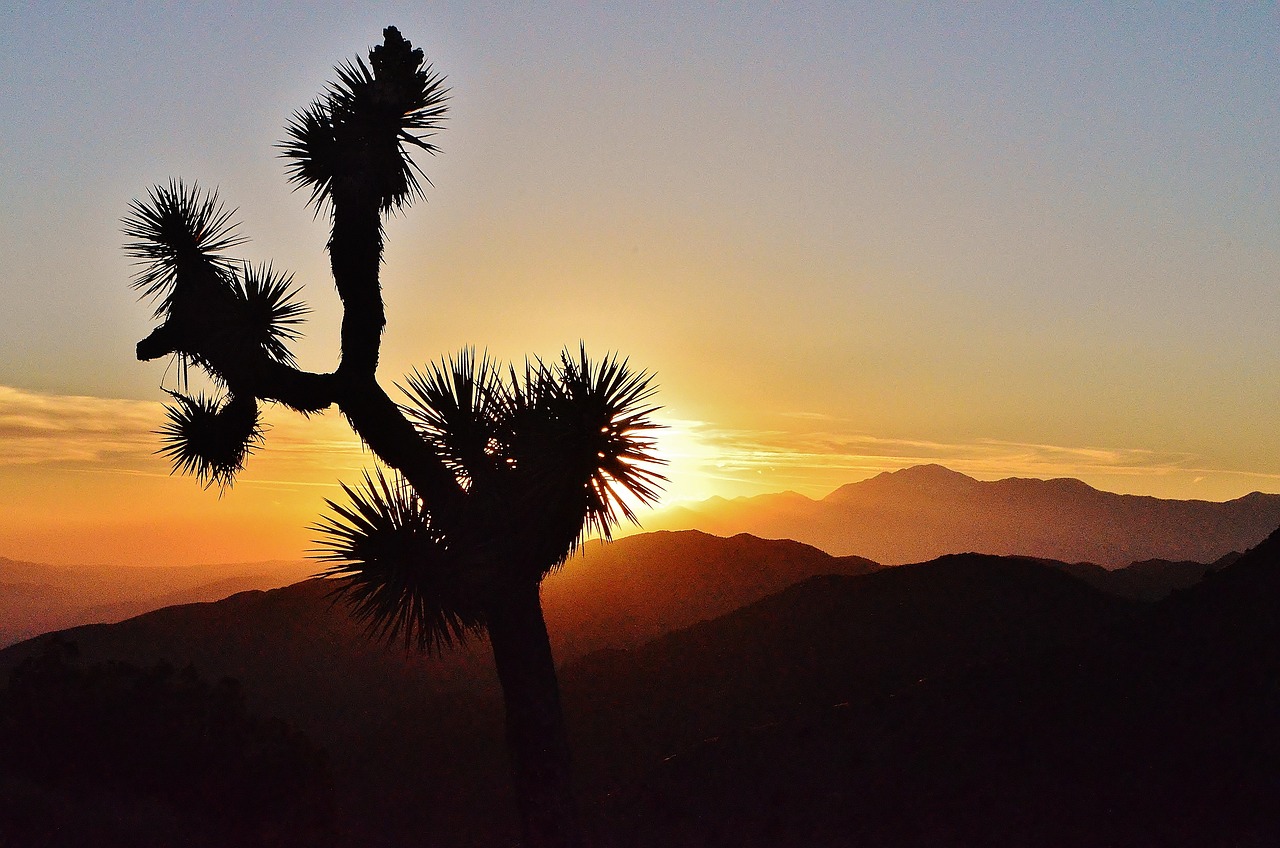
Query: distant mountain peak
x=921 y=512
x=926 y=473
x=931 y=476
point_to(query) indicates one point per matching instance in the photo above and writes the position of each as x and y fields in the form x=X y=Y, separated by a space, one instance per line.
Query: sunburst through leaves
x=549 y=452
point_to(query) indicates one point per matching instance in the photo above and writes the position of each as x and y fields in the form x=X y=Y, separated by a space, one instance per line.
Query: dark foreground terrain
x=970 y=700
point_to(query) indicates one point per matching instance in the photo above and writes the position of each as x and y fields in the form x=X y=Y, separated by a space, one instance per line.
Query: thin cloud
x=111 y=435
x=119 y=436
x=69 y=429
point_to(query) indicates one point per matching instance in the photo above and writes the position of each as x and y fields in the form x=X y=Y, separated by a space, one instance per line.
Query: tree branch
x=259 y=376
x=379 y=422
x=355 y=254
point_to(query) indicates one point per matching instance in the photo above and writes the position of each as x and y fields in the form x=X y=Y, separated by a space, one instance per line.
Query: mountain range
x=927 y=511
x=906 y=516
x=967 y=700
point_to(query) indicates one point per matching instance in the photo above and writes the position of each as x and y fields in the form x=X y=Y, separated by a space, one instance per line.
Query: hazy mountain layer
x=927 y=511
x=37 y=598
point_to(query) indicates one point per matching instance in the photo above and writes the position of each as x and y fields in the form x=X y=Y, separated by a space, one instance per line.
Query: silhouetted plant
x=496 y=473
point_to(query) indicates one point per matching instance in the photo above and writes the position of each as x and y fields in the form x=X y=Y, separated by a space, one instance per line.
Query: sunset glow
x=81 y=474
x=580 y=424
x=847 y=239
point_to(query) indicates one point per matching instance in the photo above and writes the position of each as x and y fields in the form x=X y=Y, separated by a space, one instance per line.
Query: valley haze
x=912 y=515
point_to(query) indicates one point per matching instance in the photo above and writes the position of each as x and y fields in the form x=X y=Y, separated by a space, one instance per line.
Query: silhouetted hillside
x=37 y=598
x=384 y=713
x=613 y=595
x=624 y=593
x=1149 y=580
x=1158 y=730
x=111 y=754
x=826 y=641
x=381 y=713
x=924 y=512
x=972 y=700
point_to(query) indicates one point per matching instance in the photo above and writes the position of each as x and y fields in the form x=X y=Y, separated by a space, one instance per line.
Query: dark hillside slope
x=37 y=598
x=973 y=700
x=624 y=593
x=614 y=595
x=1148 y=580
x=397 y=726
x=401 y=726
x=1160 y=731
x=829 y=640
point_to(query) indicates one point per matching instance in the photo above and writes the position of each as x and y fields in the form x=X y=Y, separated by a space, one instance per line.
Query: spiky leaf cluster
x=210 y=437
x=455 y=405
x=353 y=139
x=545 y=455
x=573 y=432
x=269 y=310
x=178 y=229
x=597 y=419
x=219 y=305
x=396 y=569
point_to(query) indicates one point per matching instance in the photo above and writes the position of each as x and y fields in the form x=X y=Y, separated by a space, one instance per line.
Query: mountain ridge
x=53 y=597
x=834 y=706
x=382 y=712
x=923 y=512
x=1154 y=724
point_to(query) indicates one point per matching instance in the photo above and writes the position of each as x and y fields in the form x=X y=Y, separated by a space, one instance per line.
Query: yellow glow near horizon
x=81 y=482
x=847 y=241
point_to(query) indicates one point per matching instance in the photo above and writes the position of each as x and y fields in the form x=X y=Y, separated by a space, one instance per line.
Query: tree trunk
x=536 y=738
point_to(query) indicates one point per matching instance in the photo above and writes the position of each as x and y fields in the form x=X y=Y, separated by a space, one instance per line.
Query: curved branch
x=384 y=428
x=372 y=414
x=355 y=256
x=260 y=377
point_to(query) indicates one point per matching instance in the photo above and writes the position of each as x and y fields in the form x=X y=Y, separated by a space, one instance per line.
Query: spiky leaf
x=577 y=434
x=452 y=403
x=210 y=438
x=607 y=415
x=396 y=569
x=269 y=310
x=354 y=137
x=178 y=229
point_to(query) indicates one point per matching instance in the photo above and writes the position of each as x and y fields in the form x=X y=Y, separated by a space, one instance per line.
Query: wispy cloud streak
x=809 y=453
x=65 y=429
x=117 y=435
x=814 y=461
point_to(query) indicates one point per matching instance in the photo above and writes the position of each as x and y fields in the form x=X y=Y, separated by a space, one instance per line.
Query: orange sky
x=81 y=482
x=848 y=237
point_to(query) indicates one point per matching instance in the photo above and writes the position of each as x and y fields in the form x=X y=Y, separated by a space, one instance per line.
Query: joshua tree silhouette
x=495 y=473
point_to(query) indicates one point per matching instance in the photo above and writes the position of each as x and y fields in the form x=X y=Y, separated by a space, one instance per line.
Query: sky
x=1017 y=239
